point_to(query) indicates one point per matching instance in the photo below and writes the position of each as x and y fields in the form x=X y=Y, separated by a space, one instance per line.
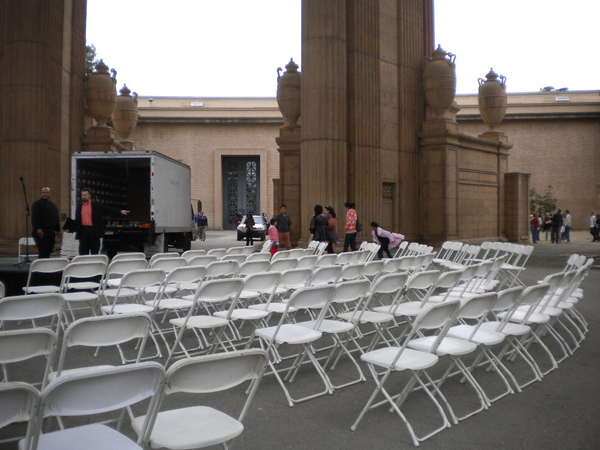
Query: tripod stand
x=27 y=214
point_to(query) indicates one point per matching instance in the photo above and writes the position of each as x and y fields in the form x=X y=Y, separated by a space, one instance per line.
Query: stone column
x=324 y=146
x=288 y=144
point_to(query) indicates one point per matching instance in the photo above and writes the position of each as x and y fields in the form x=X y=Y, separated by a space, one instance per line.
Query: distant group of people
x=558 y=226
x=595 y=226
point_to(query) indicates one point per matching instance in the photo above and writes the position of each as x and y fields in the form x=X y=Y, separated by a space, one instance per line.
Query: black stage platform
x=15 y=277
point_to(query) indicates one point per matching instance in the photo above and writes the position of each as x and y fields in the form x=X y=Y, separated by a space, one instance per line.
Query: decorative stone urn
x=125 y=116
x=101 y=93
x=439 y=80
x=492 y=99
x=288 y=93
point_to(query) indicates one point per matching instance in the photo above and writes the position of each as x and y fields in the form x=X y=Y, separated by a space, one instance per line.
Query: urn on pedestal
x=439 y=80
x=101 y=93
x=288 y=93
x=492 y=99
x=125 y=116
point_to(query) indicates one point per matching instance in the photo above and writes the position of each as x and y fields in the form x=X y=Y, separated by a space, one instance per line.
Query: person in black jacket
x=557 y=221
x=90 y=223
x=45 y=224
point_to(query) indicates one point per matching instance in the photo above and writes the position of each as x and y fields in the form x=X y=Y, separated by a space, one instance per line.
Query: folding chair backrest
x=33 y=306
x=507 y=298
x=344 y=258
x=128 y=255
x=390 y=283
x=307 y=261
x=311 y=297
x=373 y=269
x=122 y=266
x=351 y=291
x=406 y=263
x=18 y=400
x=203 y=260
x=48 y=265
x=297 y=253
x=235 y=251
x=82 y=270
x=437 y=315
x=90 y=258
x=186 y=274
x=325 y=275
x=295 y=277
x=139 y=279
x=218 y=252
x=102 y=331
x=423 y=280
x=237 y=257
x=214 y=373
x=283 y=254
x=283 y=265
x=475 y=306
x=226 y=289
x=261 y=282
x=20 y=345
x=168 y=264
x=258 y=257
x=326 y=260
x=250 y=267
x=221 y=269
x=351 y=272
x=447 y=280
x=532 y=295
x=189 y=254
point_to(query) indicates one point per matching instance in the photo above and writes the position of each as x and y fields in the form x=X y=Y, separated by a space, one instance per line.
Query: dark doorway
x=241 y=187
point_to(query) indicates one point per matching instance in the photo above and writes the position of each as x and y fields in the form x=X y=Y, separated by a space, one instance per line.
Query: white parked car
x=259 y=230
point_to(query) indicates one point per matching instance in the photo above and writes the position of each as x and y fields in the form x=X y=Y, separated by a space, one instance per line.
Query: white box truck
x=153 y=187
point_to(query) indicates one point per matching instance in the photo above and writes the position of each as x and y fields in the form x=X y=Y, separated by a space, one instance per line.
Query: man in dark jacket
x=90 y=223
x=45 y=223
x=557 y=220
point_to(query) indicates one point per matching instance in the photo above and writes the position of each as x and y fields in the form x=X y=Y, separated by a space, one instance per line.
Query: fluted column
x=323 y=136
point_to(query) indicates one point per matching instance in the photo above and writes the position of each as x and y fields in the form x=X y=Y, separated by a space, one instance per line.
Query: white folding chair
x=402 y=358
x=116 y=270
x=221 y=269
x=202 y=260
x=209 y=294
x=293 y=334
x=239 y=258
x=18 y=402
x=17 y=346
x=260 y=256
x=168 y=264
x=288 y=282
x=80 y=292
x=96 y=392
x=235 y=251
x=43 y=268
x=218 y=252
x=351 y=272
x=326 y=260
x=201 y=426
x=26 y=242
x=344 y=258
x=282 y=254
x=266 y=247
x=162 y=255
x=100 y=332
x=373 y=270
x=307 y=261
x=325 y=275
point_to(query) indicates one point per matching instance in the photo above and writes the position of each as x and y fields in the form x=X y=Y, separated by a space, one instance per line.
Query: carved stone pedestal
x=101 y=139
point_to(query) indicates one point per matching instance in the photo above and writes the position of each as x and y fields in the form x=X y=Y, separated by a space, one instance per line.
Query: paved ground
x=562 y=411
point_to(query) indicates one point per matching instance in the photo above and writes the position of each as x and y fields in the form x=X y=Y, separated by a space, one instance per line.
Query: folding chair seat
x=239 y=258
x=218 y=252
x=307 y=261
x=44 y=268
x=128 y=255
x=90 y=258
x=40 y=307
x=87 y=292
x=209 y=294
x=202 y=260
x=252 y=267
x=18 y=402
x=274 y=338
x=221 y=269
x=101 y=332
x=162 y=255
x=201 y=426
x=283 y=265
x=325 y=275
x=189 y=254
x=348 y=296
x=259 y=257
x=95 y=392
x=475 y=306
x=401 y=358
x=17 y=346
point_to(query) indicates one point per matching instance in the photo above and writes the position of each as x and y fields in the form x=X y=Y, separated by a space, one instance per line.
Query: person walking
x=350 y=227
x=547 y=225
x=202 y=225
x=273 y=237
x=387 y=240
x=332 y=234
x=535 y=227
x=45 y=224
x=90 y=222
x=592 y=222
x=318 y=225
x=557 y=220
x=568 y=222
x=283 y=227
x=249 y=223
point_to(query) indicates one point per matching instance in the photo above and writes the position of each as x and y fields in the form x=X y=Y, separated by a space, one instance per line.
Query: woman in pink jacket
x=387 y=240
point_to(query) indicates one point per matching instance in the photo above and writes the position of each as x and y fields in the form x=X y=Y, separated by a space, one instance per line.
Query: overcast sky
x=232 y=48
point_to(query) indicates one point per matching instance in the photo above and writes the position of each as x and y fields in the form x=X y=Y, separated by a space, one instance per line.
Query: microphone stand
x=27 y=214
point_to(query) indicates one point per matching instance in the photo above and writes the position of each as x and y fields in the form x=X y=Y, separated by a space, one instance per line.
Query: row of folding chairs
x=94 y=392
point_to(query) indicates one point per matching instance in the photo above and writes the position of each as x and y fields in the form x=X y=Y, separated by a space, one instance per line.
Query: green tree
x=542 y=203
x=90 y=58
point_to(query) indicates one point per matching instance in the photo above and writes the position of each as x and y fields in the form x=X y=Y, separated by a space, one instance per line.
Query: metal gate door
x=241 y=187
